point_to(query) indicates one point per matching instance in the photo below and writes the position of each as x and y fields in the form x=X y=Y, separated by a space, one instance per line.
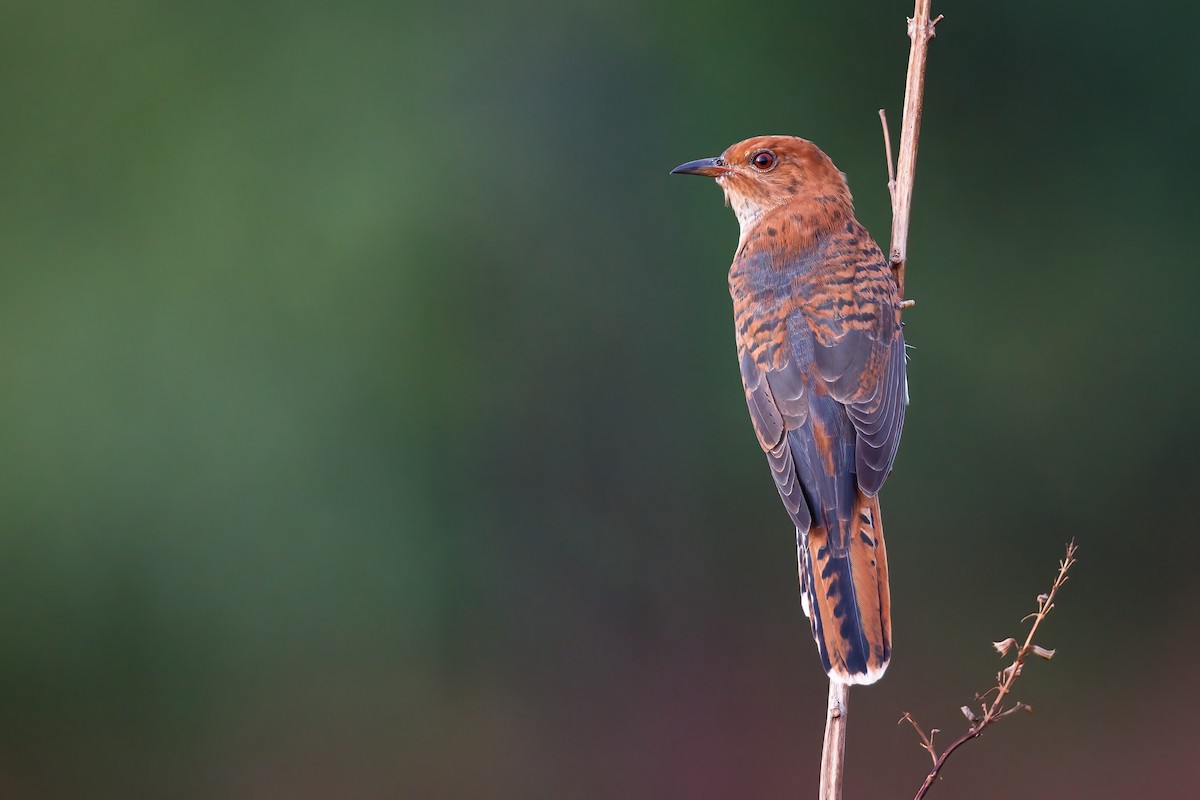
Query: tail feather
x=846 y=597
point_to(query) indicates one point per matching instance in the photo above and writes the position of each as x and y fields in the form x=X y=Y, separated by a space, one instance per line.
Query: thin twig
x=920 y=31
x=926 y=741
x=887 y=152
x=995 y=710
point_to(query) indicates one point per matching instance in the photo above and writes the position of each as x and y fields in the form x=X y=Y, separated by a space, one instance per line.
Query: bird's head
x=763 y=173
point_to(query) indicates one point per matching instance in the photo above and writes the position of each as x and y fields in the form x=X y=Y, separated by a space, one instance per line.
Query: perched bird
x=817 y=320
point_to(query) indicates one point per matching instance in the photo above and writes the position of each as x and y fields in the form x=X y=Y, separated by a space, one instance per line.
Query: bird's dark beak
x=708 y=167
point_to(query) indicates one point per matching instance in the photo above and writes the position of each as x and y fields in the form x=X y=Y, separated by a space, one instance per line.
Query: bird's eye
x=763 y=160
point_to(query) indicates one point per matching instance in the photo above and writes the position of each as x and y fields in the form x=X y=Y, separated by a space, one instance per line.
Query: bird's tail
x=845 y=595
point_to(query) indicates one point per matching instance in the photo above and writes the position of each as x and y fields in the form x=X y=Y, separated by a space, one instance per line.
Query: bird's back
x=811 y=306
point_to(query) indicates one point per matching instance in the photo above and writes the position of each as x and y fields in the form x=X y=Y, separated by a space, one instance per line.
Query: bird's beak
x=708 y=167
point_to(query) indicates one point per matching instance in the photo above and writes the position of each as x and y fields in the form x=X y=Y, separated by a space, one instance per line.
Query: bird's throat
x=747 y=211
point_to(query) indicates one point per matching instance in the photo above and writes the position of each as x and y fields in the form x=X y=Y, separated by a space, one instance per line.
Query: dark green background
x=371 y=425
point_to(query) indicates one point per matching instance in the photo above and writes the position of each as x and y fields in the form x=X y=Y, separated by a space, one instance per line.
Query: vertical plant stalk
x=833 y=754
x=900 y=185
x=920 y=30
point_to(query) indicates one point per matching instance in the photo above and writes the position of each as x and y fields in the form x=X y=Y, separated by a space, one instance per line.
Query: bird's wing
x=858 y=349
x=832 y=316
x=775 y=397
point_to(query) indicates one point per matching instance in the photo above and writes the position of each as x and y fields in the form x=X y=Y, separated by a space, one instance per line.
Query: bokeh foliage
x=372 y=426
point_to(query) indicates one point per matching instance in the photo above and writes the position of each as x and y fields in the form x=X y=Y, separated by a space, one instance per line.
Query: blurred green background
x=372 y=428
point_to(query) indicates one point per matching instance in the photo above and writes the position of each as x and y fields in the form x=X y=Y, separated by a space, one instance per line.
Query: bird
x=820 y=346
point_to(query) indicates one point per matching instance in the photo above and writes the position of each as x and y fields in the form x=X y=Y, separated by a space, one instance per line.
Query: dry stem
x=995 y=710
x=833 y=754
x=887 y=152
x=920 y=31
x=900 y=183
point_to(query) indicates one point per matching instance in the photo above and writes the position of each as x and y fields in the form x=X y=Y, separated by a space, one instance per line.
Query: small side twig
x=993 y=709
x=926 y=741
x=887 y=152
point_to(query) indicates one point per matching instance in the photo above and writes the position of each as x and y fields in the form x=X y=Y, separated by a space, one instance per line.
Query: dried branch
x=920 y=31
x=887 y=153
x=833 y=753
x=993 y=709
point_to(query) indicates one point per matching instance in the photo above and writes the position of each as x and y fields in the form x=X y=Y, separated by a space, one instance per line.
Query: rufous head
x=765 y=172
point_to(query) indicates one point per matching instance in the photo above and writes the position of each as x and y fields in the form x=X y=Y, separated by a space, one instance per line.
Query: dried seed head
x=1041 y=652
